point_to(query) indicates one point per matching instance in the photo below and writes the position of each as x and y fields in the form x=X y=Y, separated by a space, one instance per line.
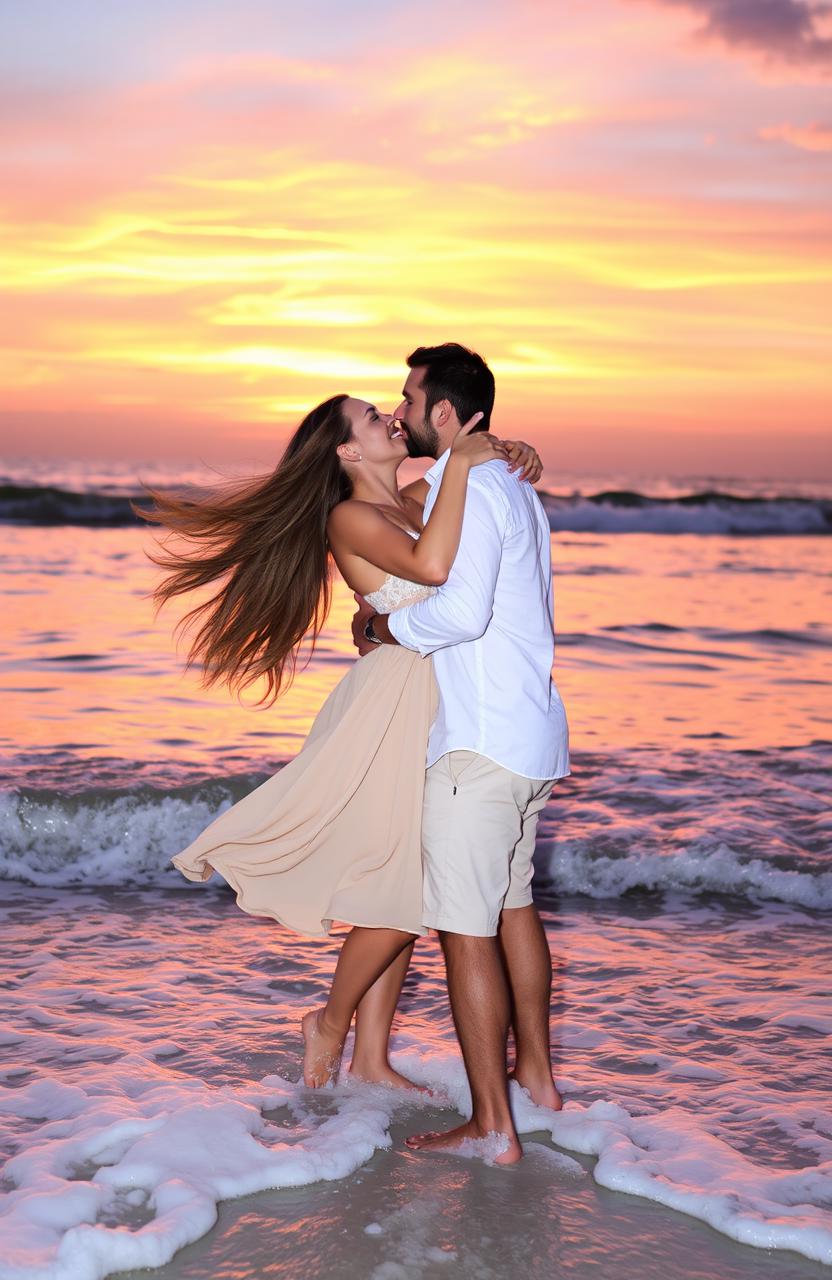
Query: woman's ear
x=348 y=453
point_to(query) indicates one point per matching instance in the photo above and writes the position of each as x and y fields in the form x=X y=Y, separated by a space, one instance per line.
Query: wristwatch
x=369 y=634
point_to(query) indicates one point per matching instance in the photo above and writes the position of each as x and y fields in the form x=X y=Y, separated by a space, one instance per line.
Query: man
x=498 y=743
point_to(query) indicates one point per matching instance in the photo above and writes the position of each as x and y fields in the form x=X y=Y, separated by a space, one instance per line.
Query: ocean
x=151 y=1111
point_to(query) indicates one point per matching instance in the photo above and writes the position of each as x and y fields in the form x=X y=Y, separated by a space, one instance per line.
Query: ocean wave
x=611 y=511
x=713 y=512
x=126 y=837
x=573 y=867
x=47 y=505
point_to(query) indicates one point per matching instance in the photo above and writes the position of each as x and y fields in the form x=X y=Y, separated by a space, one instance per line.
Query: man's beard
x=423 y=442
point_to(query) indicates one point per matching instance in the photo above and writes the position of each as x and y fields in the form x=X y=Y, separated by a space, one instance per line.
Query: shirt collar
x=435 y=473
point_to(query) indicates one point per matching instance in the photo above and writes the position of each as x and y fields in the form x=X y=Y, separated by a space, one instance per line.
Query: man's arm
x=462 y=608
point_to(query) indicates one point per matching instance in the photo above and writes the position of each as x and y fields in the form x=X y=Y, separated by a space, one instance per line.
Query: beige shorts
x=478 y=834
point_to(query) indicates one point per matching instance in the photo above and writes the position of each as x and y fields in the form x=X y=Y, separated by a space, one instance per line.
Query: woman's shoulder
x=350 y=509
x=352 y=514
x=354 y=519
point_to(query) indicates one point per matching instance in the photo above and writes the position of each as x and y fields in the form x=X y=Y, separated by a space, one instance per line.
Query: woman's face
x=377 y=437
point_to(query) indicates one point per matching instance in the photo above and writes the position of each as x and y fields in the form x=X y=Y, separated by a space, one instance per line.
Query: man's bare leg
x=365 y=955
x=373 y=1020
x=528 y=963
x=480 y=1005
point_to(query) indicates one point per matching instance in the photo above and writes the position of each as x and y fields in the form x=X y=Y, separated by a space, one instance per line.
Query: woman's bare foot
x=542 y=1091
x=496 y=1148
x=383 y=1075
x=321 y=1053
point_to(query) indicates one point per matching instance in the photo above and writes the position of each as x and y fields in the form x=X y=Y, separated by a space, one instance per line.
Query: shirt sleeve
x=461 y=608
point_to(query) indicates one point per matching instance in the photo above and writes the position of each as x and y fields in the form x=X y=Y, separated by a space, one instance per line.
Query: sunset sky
x=216 y=215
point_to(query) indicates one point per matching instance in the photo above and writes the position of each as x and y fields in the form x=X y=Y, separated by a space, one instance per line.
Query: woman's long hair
x=264 y=542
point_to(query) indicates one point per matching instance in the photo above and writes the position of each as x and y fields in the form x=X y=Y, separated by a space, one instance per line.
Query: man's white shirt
x=490 y=629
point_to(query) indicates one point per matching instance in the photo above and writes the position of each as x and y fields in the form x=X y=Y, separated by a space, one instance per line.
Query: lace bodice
x=395 y=593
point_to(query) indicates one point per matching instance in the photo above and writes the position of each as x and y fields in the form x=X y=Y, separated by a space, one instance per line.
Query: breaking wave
x=612 y=511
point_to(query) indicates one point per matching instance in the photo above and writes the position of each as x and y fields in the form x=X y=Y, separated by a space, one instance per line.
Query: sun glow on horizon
x=238 y=235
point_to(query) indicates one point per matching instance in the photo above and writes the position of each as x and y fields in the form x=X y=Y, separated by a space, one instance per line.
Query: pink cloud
x=809 y=137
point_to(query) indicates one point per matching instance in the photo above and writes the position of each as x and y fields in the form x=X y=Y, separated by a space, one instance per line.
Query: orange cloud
x=211 y=249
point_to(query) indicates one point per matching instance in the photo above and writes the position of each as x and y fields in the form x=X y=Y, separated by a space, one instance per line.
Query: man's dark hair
x=458 y=375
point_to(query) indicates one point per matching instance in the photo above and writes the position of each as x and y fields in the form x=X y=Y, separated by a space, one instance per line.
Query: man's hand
x=525 y=459
x=359 y=622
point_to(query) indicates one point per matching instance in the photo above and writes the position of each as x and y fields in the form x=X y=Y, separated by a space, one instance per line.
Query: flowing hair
x=264 y=542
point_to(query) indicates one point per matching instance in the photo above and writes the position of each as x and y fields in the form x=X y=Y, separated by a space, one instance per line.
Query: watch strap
x=369 y=633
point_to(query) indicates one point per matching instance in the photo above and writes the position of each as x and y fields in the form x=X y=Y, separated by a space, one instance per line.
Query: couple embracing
x=413 y=803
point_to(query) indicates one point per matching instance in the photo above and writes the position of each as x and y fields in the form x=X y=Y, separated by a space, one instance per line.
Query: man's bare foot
x=542 y=1091
x=321 y=1053
x=471 y=1139
x=383 y=1075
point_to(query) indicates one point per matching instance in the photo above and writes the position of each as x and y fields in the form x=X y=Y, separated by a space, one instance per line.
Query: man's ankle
x=493 y=1120
x=528 y=1069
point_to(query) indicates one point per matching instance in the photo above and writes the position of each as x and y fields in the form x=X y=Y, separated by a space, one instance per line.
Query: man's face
x=422 y=437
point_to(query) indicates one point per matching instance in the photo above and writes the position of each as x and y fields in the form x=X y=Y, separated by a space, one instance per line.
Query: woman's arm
x=418 y=490
x=524 y=458
x=520 y=456
x=362 y=530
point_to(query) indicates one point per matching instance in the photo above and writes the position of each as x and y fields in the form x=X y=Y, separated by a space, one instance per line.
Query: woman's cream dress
x=336 y=833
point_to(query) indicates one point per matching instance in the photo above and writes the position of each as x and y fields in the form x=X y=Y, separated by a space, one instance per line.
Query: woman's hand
x=524 y=458
x=475 y=447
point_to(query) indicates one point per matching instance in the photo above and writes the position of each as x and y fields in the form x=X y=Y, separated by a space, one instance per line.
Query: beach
x=151 y=1108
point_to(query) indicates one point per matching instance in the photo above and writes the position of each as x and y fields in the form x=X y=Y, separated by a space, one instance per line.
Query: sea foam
x=572 y=867
x=124 y=1170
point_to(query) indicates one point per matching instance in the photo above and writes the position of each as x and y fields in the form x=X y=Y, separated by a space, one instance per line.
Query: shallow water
x=662 y=642
x=686 y=876
x=154 y=1038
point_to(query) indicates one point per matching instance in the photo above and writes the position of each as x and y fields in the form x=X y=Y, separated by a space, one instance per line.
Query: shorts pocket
x=459 y=762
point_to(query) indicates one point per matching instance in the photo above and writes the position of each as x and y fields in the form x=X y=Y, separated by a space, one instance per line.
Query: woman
x=335 y=834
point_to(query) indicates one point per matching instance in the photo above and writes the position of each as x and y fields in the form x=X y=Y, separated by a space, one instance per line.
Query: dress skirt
x=335 y=835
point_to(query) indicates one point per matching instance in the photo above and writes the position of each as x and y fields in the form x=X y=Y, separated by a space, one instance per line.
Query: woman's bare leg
x=365 y=955
x=373 y=1020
